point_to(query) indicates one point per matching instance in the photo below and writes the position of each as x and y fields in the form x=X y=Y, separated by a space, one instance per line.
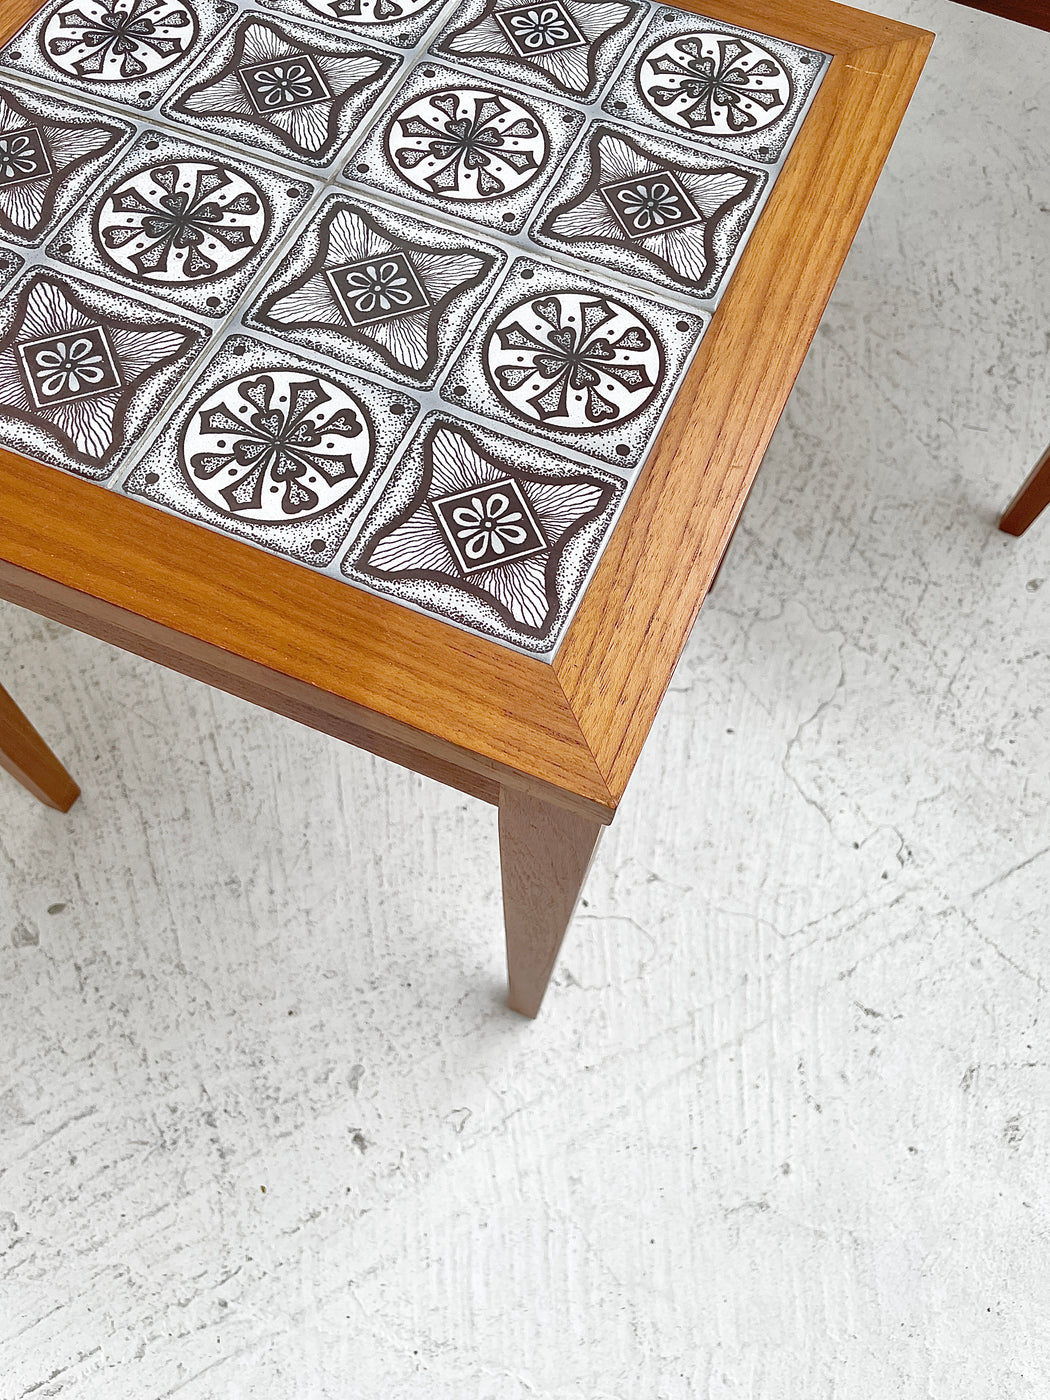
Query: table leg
x=26 y=757
x=1033 y=497
x=545 y=853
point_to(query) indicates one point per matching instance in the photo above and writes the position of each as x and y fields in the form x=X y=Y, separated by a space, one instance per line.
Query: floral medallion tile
x=651 y=209
x=399 y=23
x=472 y=149
x=285 y=88
x=50 y=152
x=84 y=371
x=182 y=222
x=276 y=448
x=473 y=530
x=722 y=86
x=379 y=289
x=572 y=360
x=127 y=51
x=568 y=47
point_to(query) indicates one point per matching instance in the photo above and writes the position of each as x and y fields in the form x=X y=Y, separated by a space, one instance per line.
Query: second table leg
x=28 y=759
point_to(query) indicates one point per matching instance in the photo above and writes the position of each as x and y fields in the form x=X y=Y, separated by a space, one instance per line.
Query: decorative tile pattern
x=180 y=221
x=561 y=356
x=568 y=47
x=128 y=51
x=651 y=209
x=83 y=371
x=50 y=152
x=371 y=287
x=276 y=448
x=480 y=152
x=284 y=88
x=466 y=532
x=10 y=264
x=400 y=23
x=723 y=86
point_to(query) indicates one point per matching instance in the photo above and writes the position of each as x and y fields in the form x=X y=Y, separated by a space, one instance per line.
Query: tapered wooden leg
x=545 y=853
x=1033 y=497
x=26 y=757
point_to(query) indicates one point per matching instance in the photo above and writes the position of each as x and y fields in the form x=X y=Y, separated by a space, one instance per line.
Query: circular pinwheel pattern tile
x=116 y=40
x=366 y=11
x=466 y=145
x=276 y=447
x=181 y=222
x=714 y=84
x=572 y=360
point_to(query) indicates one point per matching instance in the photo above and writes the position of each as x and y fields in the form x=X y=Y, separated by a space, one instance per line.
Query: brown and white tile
x=273 y=447
x=186 y=223
x=587 y=366
x=399 y=23
x=373 y=287
x=50 y=153
x=726 y=87
x=472 y=529
x=468 y=147
x=285 y=88
x=567 y=47
x=651 y=209
x=83 y=371
x=125 y=51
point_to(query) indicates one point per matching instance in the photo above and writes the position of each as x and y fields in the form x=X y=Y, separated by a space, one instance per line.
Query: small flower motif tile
x=651 y=209
x=722 y=86
x=371 y=287
x=126 y=51
x=50 y=152
x=399 y=23
x=83 y=371
x=568 y=47
x=572 y=360
x=284 y=88
x=473 y=149
x=185 y=223
x=276 y=448
x=474 y=530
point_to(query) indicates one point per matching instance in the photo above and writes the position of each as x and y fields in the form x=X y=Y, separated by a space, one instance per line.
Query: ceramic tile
x=473 y=149
x=726 y=87
x=283 y=87
x=11 y=263
x=650 y=208
x=126 y=51
x=182 y=222
x=465 y=531
x=400 y=23
x=50 y=152
x=83 y=371
x=276 y=448
x=374 y=288
x=557 y=354
x=568 y=47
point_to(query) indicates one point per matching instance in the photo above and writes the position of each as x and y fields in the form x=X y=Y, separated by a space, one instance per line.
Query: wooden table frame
x=551 y=744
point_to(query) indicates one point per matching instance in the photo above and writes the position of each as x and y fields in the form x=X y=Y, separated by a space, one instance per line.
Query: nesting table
x=403 y=366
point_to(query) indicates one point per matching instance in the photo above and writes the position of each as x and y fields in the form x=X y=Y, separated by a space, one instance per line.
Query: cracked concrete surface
x=782 y=1131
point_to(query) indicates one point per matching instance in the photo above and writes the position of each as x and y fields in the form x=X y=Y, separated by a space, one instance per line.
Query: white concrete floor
x=783 y=1130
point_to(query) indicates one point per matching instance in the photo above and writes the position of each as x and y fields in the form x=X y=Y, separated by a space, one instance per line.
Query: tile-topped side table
x=500 y=505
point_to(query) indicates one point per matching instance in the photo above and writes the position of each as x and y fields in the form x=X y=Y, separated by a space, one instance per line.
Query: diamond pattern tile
x=399 y=290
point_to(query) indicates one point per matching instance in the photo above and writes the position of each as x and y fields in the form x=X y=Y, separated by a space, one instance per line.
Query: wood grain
x=385 y=677
x=28 y=759
x=545 y=853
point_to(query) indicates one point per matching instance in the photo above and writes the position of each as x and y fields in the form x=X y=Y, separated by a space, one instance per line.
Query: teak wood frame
x=553 y=745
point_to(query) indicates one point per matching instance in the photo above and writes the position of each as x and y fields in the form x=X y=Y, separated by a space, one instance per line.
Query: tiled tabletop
x=401 y=291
